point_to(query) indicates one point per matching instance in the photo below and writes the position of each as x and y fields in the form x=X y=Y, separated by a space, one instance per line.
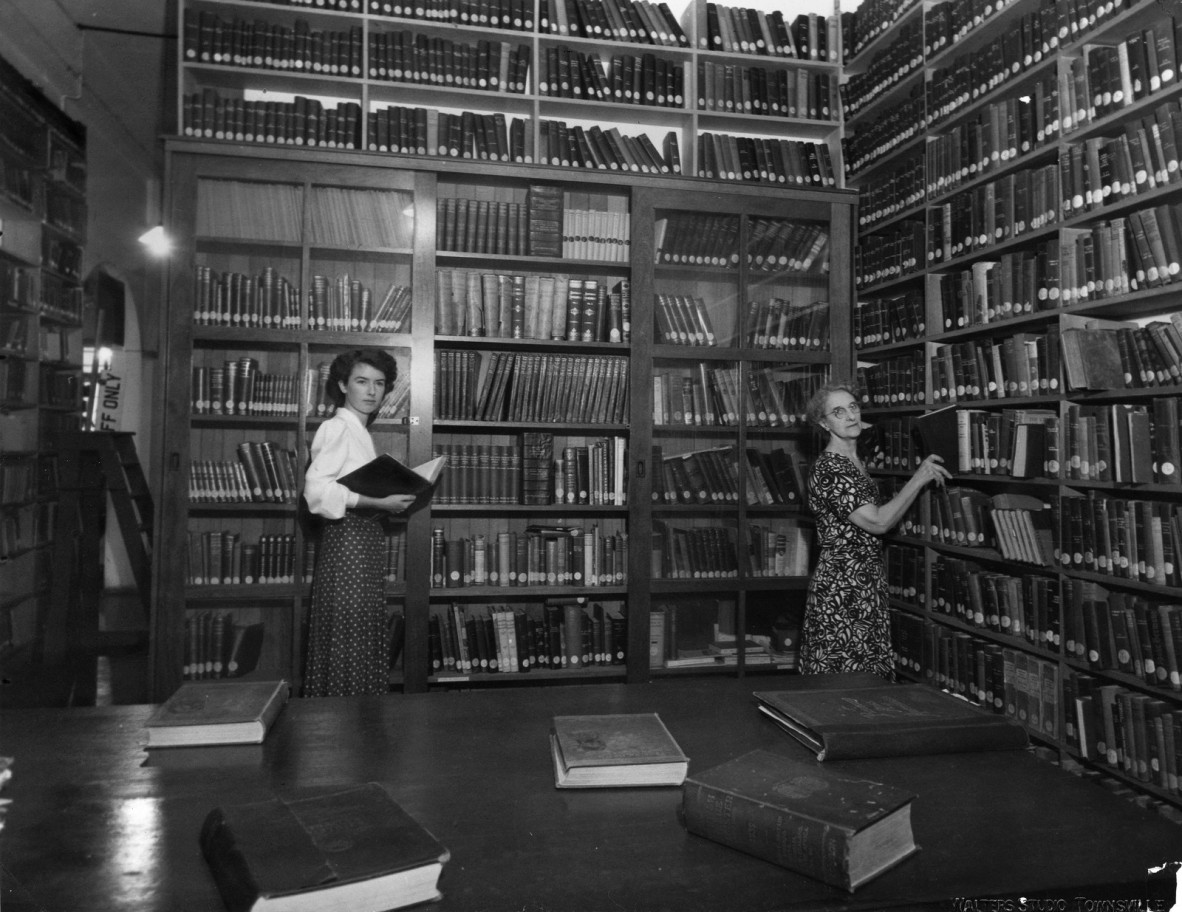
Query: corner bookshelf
x=43 y=221
x=513 y=535
x=1000 y=228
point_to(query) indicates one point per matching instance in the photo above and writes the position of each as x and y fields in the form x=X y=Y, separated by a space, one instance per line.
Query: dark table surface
x=98 y=823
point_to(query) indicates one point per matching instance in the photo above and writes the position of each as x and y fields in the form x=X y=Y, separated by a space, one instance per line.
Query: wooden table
x=99 y=824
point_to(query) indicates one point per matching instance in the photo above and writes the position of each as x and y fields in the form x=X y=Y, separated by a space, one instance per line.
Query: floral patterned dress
x=846 y=624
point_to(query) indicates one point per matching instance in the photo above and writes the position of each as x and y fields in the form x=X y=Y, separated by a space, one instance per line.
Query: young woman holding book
x=846 y=621
x=347 y=631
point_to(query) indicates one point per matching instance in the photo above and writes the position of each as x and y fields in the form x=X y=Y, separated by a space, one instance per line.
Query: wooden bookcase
x=283 y=199
x=1050 y=634
x=43 y=221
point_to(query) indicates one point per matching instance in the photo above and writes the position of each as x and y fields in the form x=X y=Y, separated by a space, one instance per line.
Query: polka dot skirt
x=347 y=645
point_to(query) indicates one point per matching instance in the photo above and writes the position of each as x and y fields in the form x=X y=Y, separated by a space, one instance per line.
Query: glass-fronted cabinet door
x=740 y=309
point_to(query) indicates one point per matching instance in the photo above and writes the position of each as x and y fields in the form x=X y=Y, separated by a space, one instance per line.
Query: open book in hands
x=385 y=475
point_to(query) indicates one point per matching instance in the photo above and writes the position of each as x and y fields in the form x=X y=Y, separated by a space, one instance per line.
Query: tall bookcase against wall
x=512 y=498
x=43 y=221
x=1003 y=216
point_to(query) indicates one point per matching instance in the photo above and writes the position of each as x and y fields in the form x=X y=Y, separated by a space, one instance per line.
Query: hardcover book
x=385 y=475
x=840 y=829
x=217 y=712
x=613 y=750
x=353 y=848
x=887 y=720
x=939 y=433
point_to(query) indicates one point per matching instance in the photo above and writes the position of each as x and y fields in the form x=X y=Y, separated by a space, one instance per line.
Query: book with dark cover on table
x=621 y=749
x=888 y=720
x=217 y=712
x=351 y=848
x=841 y=829
x=385 y=475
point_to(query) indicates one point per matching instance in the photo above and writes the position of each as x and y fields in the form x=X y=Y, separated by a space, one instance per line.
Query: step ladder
x=93 y=465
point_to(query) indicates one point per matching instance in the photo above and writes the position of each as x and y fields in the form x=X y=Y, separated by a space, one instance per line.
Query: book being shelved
x=555 y=635
x=575 y=556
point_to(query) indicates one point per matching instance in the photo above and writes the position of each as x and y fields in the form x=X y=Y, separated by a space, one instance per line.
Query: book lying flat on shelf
x=841 y=829
x=621 y=749
x=352 y=849
x=217 y=712
x=888 y=720
x=385 y=475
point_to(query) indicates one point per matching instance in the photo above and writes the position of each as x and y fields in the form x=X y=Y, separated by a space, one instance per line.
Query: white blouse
x=341 y=445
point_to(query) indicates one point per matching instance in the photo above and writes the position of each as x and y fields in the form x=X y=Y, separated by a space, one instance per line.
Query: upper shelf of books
x=507 y=80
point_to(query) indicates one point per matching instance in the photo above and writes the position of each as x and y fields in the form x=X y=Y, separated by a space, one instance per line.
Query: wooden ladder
x=91 y=466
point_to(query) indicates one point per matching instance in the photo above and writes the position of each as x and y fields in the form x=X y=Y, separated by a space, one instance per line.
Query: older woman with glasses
x=846 y=623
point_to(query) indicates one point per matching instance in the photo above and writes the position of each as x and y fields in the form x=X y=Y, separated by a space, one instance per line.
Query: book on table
x=350 y=849
x=888 y=720
x=616 y=749
x=385 y=475
x=838 y=828
x=216 y=712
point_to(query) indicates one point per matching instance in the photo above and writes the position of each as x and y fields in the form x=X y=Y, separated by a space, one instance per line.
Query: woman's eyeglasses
x=841 y=413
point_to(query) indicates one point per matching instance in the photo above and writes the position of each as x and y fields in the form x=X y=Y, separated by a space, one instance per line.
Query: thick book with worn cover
x=352 y=849
x=217 y=712
x=841 y=829
x=620 y=749
x=385 y=475
x=887 y=720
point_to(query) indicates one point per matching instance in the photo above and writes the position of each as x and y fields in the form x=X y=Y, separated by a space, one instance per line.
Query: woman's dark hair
x=815 y=410
x=342 y=369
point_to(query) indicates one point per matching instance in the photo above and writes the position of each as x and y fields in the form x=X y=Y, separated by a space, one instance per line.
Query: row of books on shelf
x=1024 y=607
x=773 y=245
x=264 y=472
x=25 y=527
x=416 y=57
x=1014 y=284
x=697 y=552
x=224 y=557
x=573 y=146
x=1020 y=365
x=217 y=646
x=894 y=191
x=894 y=381
x=720 y=397
x=532 y=471
x=989 y=214
x=640 y=21
x=712 y=476
x=1104 y=170
x=238 y=387
x=562 y=634
x=889 y=319
x=764 y=92
x=1019 y=526
x=298 y=48
x=302 y=121
x=890 y=66
x=1121 y=442
x=1006 y=680
x=865 y=143
x=15 y=383
x=739 y=30
x=993 y=137
x=1124 y=538
x=1126 y=632
x=578 y=389
x=549 y=307
x=1003 y=59
x=1109 y=76
x=26 y=477
x=553 y=555
x=1014 y=442
x=1108 y=354
x=342 y=304
x=689 y=634
x=1122 y=729
x=504 y=14
x=726 y=157
x=772 y=323
x=646 y=79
